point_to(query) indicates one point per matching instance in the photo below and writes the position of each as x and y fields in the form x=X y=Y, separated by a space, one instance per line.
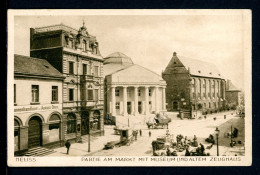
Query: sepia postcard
x=154 y=87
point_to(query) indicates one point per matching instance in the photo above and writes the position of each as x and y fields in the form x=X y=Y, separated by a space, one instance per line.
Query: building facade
x=38 y=117
x=75 y=53
x=193 y=85
x=131 y=89
x=233 y=95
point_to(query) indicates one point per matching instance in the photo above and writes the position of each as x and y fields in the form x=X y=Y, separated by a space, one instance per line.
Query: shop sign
x=35 y=108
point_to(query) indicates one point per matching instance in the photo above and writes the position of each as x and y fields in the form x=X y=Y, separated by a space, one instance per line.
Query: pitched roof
x=231 y=86
x=196 y=67
x=34 y=66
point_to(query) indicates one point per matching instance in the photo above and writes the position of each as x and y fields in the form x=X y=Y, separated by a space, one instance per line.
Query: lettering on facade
x=35 y=108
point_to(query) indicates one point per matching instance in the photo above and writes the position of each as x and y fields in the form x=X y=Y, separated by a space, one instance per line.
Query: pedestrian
x=67 y=144
x=195 y=142
x=168 y=152
x=150 y=133
x=140 y=132
x=136 y=132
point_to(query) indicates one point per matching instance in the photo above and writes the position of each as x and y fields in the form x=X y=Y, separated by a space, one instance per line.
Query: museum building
x=131 y=89
x=75 y=53
x=38 y=117
x=193 y=85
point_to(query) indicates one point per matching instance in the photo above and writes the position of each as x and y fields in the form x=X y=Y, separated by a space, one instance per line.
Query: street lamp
x=217 y=134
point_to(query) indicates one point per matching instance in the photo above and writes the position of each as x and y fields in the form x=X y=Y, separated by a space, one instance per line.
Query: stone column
x=163 y=98
x=210 y=89
x=125 y=100
x=113 y=101
x=136 y=100
x=147 y=100
x=156 y=100
x=206 y=92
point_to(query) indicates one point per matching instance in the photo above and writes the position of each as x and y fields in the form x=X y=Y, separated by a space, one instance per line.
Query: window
x=84 y=69
x=35 y=93
x=117 y=92
x=14 y=93
x=96 y=94
x=209 y=105
x=71 y=94
x=204 y=94
x=128 y=92
x=150 y=102
x=90 y=94
x=71 y=67
x=71 y=123
x=96 y=71
x=117 y=105
x=139 y=92
x=54 y=93
x=54 y=128
x=150 y=92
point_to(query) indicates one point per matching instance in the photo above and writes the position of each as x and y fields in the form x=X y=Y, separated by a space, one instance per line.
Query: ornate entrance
x=84 y=123
x=35 y=132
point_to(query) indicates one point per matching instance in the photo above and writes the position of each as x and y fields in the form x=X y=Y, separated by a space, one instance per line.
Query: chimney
x=174 y=54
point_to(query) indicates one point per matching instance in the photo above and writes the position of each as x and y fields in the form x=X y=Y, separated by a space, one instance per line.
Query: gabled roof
x=34 y=66
x=196 y=67
x=136 y=74
x=231 y=87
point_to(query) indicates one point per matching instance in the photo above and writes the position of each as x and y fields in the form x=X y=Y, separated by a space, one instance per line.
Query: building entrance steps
x=39 y=152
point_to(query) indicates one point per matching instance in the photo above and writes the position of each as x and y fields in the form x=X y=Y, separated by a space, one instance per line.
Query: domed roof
x=118 y=58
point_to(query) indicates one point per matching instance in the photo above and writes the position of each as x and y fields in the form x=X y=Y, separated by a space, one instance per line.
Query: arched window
x=71 y=123
x=95 y=122
x=54 y=127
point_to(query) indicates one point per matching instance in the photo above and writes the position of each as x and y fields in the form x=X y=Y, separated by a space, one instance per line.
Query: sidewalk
x=96 y=144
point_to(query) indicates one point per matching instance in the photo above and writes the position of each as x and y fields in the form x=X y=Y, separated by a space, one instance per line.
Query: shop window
x=71 y=67
x=117 y=91
x=35 y=93
x=54 y=93
x=95 y=122
x=54 y=128
x=117 y=105
x=71 y=94
x=71 y=123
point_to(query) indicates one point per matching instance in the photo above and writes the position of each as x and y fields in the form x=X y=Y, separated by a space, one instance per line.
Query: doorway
x=129 y=108
x=140 y=107
x=175 y=106
x=35 y=132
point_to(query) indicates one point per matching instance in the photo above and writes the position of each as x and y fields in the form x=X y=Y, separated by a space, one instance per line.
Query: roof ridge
x=40 y=59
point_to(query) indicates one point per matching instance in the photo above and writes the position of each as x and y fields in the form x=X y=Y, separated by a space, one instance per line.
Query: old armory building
x=75 y=53
x=193 y=85
x=38 y=117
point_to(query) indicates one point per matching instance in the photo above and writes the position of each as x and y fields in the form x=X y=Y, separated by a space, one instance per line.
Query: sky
x=150 y=40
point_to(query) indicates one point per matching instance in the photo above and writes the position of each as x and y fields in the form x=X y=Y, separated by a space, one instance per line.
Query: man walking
x=67 y=144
